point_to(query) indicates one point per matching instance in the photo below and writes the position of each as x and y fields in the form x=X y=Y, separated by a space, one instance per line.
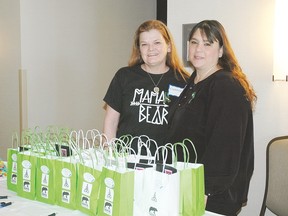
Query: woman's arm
x=111 y=121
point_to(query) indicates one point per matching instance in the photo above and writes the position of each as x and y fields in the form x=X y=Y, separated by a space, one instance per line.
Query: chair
x=276 y=188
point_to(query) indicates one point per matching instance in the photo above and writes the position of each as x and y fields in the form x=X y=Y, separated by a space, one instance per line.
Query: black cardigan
x=216 y=116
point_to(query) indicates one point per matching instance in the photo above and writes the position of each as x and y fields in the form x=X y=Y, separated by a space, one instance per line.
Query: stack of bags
x=85 y=171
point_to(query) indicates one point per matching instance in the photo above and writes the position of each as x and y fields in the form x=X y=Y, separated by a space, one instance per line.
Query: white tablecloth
x=25 y=207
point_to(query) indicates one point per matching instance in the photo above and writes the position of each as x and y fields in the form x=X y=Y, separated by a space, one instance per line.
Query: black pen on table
x=4 y=204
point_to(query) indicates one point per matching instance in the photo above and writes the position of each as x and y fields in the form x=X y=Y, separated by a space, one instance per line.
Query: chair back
x=276 y=190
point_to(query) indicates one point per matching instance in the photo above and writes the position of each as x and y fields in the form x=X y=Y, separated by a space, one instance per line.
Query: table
x=21 y=206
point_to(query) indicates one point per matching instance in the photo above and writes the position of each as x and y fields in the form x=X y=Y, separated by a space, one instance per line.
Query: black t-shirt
x=142 y=111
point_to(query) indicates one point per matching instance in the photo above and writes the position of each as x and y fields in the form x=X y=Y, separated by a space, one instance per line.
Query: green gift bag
x=65 y=171
x=26 y=178
x=89 y=169
x=191 y=189
x=12 y=169
x=116 y=192
x=12 y=160
x=45 y=181
x=192 y=192
x=12 y=164
x=89 y=178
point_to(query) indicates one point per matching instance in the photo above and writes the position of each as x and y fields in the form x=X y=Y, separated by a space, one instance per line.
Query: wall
x=69 y=52
x=249 y=25
x=9 y=66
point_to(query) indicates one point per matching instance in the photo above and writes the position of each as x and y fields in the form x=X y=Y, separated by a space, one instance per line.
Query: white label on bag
x=66 y=183
x=14 y=178
x=109 y=182
x=14 y=157
x=108 y=208
x=26 y=164
x=66 y=172
x=88 y=177
x=26 y=186
x=26 y=174
x=44 y=192
x=14 y=166
x=85 y=202
x=45 y=169
x=86 y=188
x=65 y=196
x=109 y=194
x=45 y=179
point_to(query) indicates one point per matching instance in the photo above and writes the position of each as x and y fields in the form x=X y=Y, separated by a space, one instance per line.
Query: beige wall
x=9 y=66
x=249 y=25
x=69 y=51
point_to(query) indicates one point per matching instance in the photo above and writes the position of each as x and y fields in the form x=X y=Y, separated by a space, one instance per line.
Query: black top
x=142 y=111
x=216 y=116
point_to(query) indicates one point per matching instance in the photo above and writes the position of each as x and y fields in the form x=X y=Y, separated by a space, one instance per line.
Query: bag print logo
x=66 y=196
x=45 y=181
x=14 y=169
x=26 y=186
x=109 y=196
x=153 y=210
x=26 y=175
x=14 y=163
x=108 y=208
x=44 y=192
x=66 y=175
x=14 y=178
x=45 y=175
x=14 y=173
x=87 y=187
x=66 y=185
x=154 y=199
x=85 y=202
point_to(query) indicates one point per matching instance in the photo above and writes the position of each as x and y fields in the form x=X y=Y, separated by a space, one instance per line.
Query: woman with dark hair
x=140 y=95
x=215 y=111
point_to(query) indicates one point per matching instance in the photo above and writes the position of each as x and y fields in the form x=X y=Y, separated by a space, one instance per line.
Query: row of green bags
x=98 y=182
x=36 y=169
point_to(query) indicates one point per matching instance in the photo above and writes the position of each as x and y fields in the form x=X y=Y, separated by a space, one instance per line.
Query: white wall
x=9 y=66
x=249 y=25
x=70 y=51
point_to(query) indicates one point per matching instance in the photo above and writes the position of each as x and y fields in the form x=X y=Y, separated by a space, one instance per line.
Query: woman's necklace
x=156 y=88
x=205 y=75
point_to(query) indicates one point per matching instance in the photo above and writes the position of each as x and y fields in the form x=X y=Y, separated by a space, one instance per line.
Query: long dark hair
x=214 y=31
